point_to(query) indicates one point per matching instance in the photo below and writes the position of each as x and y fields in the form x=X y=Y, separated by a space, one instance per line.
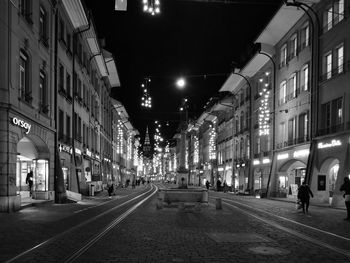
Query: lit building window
x=340 y=59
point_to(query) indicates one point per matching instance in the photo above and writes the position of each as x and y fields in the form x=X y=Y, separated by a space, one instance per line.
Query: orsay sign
x=22 y=124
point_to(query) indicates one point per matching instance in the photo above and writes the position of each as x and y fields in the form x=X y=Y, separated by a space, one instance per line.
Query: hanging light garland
x=196 y=150
x=146 y=100
x=120 y=135
x=264 y=109
x=151 y=6
x=212 y=144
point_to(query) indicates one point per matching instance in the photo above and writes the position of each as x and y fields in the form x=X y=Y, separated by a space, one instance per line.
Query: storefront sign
x=22 y=124
x=333 y=143
x=282 y=156
x=77 y=151
x=220 y=169
x=256 y=162
x=88 y=153
x=266 y=160
x=301 y=153
x=65 y=148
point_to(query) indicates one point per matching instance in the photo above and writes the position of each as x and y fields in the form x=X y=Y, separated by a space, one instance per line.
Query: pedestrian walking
x=29 y=182
x=304 y=194
x=207 y=184
x=110 y=190
x=346 y=188
x=218 y=185
x=225 y=187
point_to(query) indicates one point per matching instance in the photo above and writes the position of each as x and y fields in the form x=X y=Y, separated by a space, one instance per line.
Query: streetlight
x=181 y=83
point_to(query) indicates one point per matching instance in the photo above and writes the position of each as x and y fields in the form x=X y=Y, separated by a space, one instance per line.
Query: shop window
x=41 y=172
x=333 y=174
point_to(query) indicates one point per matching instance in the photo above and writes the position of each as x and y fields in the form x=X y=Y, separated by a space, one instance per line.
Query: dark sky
x=192 y=38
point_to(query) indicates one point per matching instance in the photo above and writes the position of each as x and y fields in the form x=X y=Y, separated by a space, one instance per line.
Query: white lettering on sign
x=333 y=143
x=21 y=124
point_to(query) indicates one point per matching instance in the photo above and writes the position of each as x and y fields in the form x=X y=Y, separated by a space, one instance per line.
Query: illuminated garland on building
x=264 y=109
x=212 y=143
x=186 y=156
x=151 y=6
x=129 y=147
x=196 y=150
x=120 y=136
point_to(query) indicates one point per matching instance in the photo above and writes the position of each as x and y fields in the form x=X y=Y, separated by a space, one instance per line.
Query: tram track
x=319 y=237
x=76 y=240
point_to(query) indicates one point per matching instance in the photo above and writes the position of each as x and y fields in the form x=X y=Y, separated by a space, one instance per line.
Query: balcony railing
x=334 y=129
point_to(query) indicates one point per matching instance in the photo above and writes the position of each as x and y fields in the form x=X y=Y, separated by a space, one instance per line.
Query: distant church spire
x=147 y=144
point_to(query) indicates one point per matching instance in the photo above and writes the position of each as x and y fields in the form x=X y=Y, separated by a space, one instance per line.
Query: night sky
x=195 y=39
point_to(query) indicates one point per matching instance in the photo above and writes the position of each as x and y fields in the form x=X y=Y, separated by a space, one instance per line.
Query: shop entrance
x=291 y=176
x=32 y=156
x=329 y=171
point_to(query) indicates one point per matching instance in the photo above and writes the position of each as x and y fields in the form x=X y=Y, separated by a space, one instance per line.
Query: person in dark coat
x=207 y=184
x=110 y=190
x=218 y=185
x=304 y=194
x=29 y=181
x=346 y=188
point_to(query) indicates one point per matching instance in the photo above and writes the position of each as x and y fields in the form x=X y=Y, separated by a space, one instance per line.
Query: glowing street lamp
x=181 y=83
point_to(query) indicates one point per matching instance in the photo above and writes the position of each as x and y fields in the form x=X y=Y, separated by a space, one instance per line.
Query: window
x=258 y=145
x=327 y=109
x=60 y=124
x=26 y=10
x=327 y=19
x=328 y=60
x=293 y=46
x=292 y=83
x=69 y=42
x=43 y=92
x=304 y=82
x=291 y=131
x=283 y=131
x=338 y=11
x=333 y=15
x=43 y=26
x=68 y=129
x=24 y=86
x=305 y=36
x=303 y=127
x=283 y=55
x=62 y=31
x=340 y=59
x=68 y=84
x=283 y=91
x=61 y=78
x=338 y=105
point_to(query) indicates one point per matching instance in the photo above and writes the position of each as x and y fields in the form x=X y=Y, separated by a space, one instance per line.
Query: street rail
x=304 y=232
x=122 y=211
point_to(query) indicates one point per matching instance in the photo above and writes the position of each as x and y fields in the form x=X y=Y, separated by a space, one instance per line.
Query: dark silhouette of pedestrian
x=346 y=188
x=225 y=187
x=207 y=184
x=110 y=190
x=29 y=181
x=218 y=185
x=304 y=194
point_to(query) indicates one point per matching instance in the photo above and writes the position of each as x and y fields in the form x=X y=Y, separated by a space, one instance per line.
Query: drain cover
x=238 y=237
x=269 y=251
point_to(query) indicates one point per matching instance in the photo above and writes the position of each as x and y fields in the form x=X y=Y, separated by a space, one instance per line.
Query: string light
x=151 y=6
x=264 y=110
x=196 y=150
x=212 y=144
x=146 y=100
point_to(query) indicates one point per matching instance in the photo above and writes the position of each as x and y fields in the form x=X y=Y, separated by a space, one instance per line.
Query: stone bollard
x=218 y=204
